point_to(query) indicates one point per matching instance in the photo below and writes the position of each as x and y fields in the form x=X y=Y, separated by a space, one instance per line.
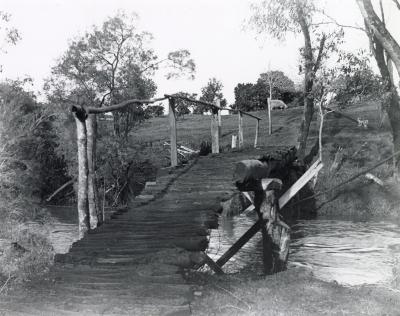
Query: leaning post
x=80 y=116
x=240 y=136
x=215 y=131
x=172 y=127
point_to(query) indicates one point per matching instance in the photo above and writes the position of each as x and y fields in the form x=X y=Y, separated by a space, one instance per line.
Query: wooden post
x=234 y=140
x=172 y=127
x=214 y=132
x=269 y=116
x=218 y=103
x=94 y=216
x=240 y=130
x=256 y=137
x=83 y=212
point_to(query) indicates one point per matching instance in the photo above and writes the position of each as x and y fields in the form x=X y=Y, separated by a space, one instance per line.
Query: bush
x=205 y=148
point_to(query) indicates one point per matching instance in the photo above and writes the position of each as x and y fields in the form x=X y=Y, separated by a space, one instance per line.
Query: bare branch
x=334 y=21
x=120 y=106
x=396 y=2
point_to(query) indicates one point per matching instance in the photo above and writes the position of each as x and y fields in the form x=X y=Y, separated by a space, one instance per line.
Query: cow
x=278 y=104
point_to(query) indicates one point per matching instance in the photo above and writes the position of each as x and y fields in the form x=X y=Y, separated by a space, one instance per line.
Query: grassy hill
x=360 y=147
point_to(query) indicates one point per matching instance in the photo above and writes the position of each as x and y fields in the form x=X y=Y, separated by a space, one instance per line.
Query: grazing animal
x=278 y=104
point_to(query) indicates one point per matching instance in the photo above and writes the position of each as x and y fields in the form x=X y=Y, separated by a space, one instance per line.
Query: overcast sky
x=212 y=30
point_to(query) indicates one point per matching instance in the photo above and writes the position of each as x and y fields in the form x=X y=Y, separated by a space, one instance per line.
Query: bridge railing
x=240 y=131
x=215 y=124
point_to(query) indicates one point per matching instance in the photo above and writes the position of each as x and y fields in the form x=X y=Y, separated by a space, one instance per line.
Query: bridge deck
x=132 y=264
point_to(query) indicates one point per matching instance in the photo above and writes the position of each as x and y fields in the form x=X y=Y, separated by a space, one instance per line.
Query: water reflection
x=349 y=252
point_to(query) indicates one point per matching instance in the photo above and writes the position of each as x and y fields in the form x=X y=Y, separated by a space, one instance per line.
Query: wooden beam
x=172 y=127
x=214 y=132
x=176 y=96
x=300 y=183
x=251 y=169
x=214 y=266
x=250 y=115
x=240 y=243
x=256 y=136
x=120 y=106
x=240 y=136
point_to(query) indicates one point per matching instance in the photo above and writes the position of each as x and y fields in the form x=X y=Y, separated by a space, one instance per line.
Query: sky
x=214 y=31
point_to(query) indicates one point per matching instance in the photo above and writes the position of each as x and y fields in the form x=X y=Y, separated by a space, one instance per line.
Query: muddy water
x=346 y=251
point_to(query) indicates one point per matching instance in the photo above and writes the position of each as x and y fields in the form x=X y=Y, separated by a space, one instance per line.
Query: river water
x=350 y=252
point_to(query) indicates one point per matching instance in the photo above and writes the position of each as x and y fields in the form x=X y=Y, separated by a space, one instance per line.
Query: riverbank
x=293 y=292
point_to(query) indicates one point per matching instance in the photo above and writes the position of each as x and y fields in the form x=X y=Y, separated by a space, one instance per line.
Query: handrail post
x=218 y=103
x=269 y=116
x=256 y=136
x=240 y=136
x=215 y=128
x=172 y=127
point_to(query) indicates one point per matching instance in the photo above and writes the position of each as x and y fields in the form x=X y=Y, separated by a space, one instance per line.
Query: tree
x=8 y=34
x=210 y=93
x=154 y=111
x=250 y=97
x=278 y=17
x=246 y=98
x=278 y=85
x=386 y=50
x=355 y=78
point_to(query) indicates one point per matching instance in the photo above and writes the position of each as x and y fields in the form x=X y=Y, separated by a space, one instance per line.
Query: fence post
x=218 y=103
x=172 y=127
x=256 y=137
x=269 y=116
x=215 y=131
x=240 y=136
x=234 y=140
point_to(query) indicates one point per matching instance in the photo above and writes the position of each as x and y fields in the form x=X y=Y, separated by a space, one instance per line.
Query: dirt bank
x=293 y=292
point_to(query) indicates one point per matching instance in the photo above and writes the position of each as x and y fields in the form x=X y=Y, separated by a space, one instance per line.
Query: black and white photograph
x=199 y=157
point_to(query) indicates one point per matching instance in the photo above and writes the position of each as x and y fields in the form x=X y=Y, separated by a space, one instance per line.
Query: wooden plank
x=240 y=243
x=300 y=183
x=172 y=127
x=240 y=130
x=256 y=136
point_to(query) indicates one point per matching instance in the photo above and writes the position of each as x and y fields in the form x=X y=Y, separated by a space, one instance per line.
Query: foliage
x=154 y=110
x=355 y=78
x=183 y=107
x=251 y=97
x=210 y=93
x=111 y=64
x=8 y=34
x=29 y=172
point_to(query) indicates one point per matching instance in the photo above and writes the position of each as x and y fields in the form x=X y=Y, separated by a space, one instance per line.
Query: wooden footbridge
x=134 y=263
